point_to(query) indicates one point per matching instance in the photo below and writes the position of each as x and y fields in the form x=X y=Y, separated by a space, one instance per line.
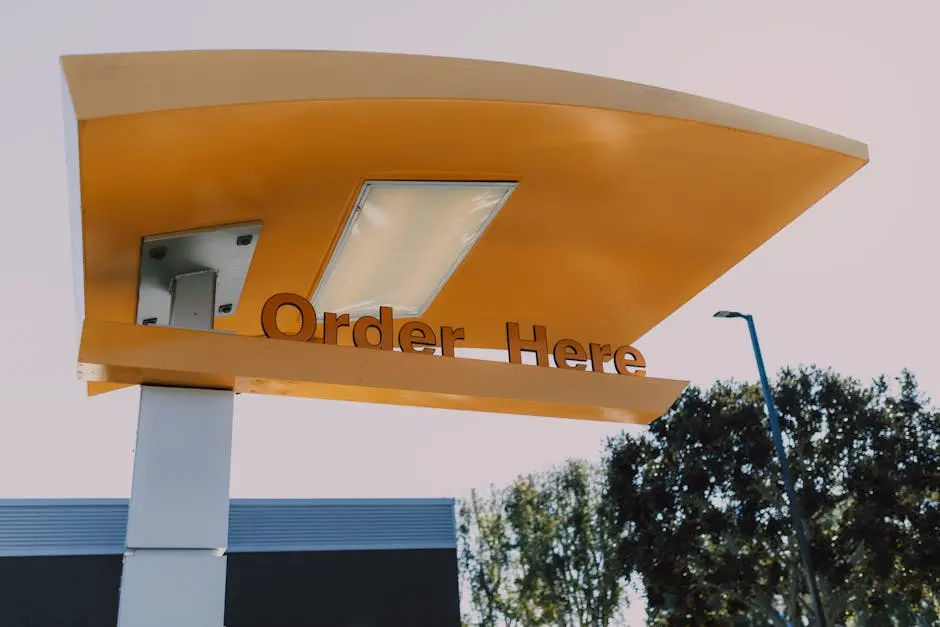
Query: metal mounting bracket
x=226 y=250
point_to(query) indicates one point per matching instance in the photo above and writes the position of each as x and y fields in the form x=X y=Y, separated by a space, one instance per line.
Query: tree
x=488 y=565
x=544 y=551
x=699 y=500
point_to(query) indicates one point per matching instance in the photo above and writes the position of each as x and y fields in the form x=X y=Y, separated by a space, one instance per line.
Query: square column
x=177 y=524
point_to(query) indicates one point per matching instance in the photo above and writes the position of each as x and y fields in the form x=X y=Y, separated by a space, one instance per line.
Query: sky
x=851 y=284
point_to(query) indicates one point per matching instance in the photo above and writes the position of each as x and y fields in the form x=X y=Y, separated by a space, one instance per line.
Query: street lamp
x=795 y=510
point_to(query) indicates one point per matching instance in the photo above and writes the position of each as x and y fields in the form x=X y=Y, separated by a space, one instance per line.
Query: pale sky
x=852 y=284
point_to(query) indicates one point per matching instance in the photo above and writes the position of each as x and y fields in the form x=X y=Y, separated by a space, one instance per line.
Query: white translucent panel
x=402 y=242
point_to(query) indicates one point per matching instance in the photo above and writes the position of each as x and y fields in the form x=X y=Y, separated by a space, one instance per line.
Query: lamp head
x=729 y=314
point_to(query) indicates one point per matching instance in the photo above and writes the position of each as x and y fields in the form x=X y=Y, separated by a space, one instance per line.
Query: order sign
x=417 y=337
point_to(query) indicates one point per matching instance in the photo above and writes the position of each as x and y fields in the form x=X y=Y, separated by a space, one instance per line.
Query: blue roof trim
x=73 y=527
x=41 y=527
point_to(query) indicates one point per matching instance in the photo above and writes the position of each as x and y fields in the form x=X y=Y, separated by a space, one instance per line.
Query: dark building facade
x=291 y=563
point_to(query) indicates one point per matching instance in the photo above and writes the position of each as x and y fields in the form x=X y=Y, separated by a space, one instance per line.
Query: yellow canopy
x=630 y=199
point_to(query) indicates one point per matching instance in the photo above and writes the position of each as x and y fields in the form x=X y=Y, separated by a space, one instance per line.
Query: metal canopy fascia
x=47 y=527
x=107 y=85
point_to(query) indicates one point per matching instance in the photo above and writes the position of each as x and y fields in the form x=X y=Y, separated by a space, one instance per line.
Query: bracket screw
x=225 y=309
x=149 y=321
x=158 y=253
x=243 y=240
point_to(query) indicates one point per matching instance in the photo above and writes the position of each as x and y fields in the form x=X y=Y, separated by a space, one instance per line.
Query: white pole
x=177 y=526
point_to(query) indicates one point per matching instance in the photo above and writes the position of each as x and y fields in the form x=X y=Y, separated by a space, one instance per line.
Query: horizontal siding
x=62 y=527
x=97 y=527
x=340 y=525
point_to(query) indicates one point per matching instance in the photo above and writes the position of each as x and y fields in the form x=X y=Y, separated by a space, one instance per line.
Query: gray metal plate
x=227 y=250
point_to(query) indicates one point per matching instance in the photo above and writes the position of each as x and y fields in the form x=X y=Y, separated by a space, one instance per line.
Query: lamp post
x=795 y=509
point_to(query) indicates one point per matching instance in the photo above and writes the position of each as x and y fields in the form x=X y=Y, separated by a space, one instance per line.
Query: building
x=290 y=562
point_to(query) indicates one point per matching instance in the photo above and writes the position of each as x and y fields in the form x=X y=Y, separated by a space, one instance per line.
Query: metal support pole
x=795 y=508
x=177 y=526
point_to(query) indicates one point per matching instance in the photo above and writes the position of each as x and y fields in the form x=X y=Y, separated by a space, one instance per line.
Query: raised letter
x=449 y=337
x=628 y=357
x=599 y=354
x=570 y=350
x=331 y=325
x=308 y=317
x=414 y=334
x=539 y=345
x=383 y=326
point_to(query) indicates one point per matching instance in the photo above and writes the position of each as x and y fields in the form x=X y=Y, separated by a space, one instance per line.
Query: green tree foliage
x=700 y=503
x=543 y=551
